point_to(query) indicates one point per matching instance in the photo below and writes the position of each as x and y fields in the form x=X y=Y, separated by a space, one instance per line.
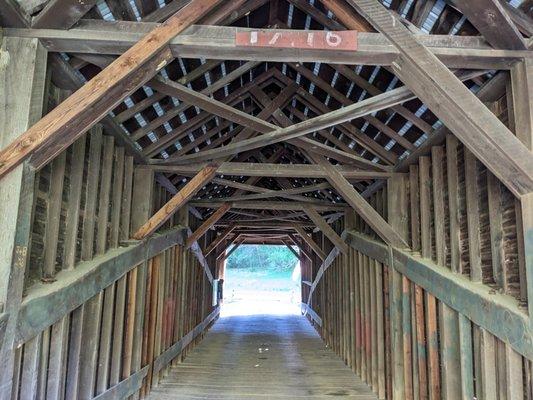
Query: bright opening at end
x=261 y=279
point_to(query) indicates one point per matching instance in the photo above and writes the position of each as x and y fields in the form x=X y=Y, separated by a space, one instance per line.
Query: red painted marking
x=319 y=40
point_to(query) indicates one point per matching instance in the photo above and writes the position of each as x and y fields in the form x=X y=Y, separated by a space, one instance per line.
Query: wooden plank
x=437 y=166
x=272 y=205
x=91 y=193
x=21 y=106
x=309 y=240
x=161 y=216
x=452 y=172
x=449 y=352
x=360 y=205
x=51 y=235
x=472 y=215
x=425 y=213
x=125 y=388
x=104 y=195
x=218 y=43
x=324 y=227
x=92 y=101
x=74 y=203
x=208 y=224
x=490 y=17
x=271 y=170
x=219 y=239
x=118 y=182
x=62 y=14
x=457 y=107
x=414 y=202
x=466 y=359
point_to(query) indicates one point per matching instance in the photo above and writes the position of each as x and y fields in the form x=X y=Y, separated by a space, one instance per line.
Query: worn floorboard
x=261 y=357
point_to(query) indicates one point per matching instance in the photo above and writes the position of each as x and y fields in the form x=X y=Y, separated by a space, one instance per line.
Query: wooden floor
x=262 y=357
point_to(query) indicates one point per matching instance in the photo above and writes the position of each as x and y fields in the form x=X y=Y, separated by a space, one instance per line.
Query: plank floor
x=261 y=357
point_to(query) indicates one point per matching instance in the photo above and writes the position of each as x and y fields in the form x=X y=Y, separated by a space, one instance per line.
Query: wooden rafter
x=62 y=126
x=208 y=224
x=178 y=201
x=469 y=119
x=327 y=230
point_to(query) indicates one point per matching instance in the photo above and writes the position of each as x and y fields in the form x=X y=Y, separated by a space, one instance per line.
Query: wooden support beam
x=272 y=205
x=271 y=170
x=302 y=248
x=309 y=240
x=219 y=239
x=327 y=230
x=218 y=42
x=184 y=195
x=492 y=21
x=22 y=88
x=236 y=244
x=62 y=14
x=208 y=224
x=73 y=117
x=360 y=205
x=459 y=109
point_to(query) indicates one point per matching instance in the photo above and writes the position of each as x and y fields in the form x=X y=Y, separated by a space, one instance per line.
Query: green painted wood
x=46 y=304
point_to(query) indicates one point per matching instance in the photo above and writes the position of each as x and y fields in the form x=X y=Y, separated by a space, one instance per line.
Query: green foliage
x=262 y=257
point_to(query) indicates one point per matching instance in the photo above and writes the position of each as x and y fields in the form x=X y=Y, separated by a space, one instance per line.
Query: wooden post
x=22 y=82
x=397 y=207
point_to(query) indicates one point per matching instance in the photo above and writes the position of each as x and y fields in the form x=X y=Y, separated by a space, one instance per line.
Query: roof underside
x=164 y=128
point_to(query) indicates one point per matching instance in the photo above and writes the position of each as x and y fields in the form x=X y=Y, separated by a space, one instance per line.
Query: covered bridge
x=390 y=140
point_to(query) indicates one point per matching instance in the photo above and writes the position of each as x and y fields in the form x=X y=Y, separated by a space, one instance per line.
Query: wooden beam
x=360 y=205
x=271 y=205
x=492 y=21
x=62 y=14
x=12 y=15
x=288 y=245
x=236 y=245
x=208 y=224
x=218 y=42
x=219 y=239
x=271 y=170
x=309 y=240
x=73 y=117
x=159 y=218
x=326 y=229
x=302 y=248
x=459 y=109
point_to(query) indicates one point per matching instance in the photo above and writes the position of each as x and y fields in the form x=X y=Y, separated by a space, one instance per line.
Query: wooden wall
x=102 y=314
x=447 y=319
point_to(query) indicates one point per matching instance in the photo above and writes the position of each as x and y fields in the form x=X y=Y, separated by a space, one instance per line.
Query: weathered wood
x=492 y=21
x=477 y=302
x=22 y=82
x=458 y=108
x=271 y=169
x=309 y=240
x=218 y=42
x=208 y=223
x=161 y=216
x=219 y=239
x=79 y=112
x=321 y=223
x=62 y=14
x=472 y=215
x=46 y=303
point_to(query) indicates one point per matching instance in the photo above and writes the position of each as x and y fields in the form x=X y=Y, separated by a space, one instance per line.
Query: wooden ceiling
x=174 y=129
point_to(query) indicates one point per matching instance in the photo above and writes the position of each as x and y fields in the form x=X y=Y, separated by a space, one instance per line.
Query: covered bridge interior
x=141 y=141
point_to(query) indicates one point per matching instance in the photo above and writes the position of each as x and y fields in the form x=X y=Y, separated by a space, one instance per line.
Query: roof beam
x=73 y=117
x=275 y=134
x=492 y=21
x=271 y=170
x=302 y=248
x=327 y=230
x=360 y=205
x=288 y=245
x=309 y=240
x=458 y=108
x=180 y=199
x=271 y=205
x=208 y=224
x=218 y=42
x=62 y=14
x=219 y=239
